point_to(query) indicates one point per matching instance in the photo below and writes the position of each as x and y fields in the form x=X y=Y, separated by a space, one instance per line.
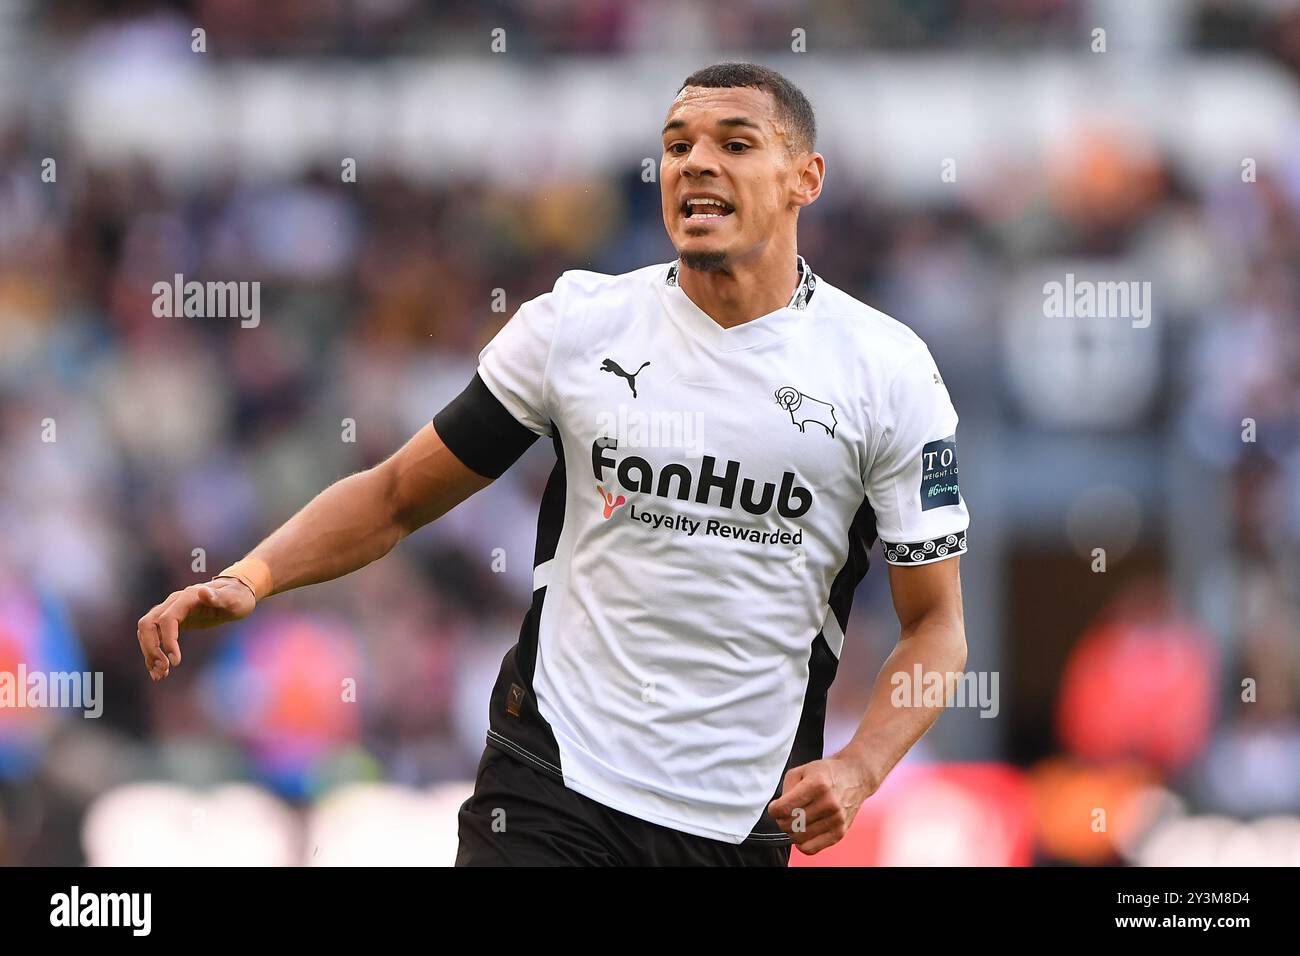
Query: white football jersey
x=715 y=496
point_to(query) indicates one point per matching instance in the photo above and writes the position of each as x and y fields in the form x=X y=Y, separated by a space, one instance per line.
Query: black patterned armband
x=924 y=552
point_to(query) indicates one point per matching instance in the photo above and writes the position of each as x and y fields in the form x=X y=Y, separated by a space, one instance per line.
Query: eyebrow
x=729 y=121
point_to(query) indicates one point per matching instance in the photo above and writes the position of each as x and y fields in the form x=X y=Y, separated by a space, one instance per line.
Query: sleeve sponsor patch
x=939 y=473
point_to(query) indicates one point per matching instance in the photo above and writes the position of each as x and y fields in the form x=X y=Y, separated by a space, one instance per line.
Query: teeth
x=721 y=206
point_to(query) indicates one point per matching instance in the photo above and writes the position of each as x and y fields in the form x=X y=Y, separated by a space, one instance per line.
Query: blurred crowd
x=364 y=28
x=140 y=454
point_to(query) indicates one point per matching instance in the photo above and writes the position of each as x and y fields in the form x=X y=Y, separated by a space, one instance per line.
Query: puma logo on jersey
x=804 y=409
x=610 y=501
x=609 y=365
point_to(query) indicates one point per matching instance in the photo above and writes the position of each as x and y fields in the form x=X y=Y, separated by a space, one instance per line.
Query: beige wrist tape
x=254 y=573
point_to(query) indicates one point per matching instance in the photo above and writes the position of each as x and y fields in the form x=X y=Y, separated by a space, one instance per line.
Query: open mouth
x=701 y=210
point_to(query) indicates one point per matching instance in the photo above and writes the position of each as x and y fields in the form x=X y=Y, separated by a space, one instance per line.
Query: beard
x=704 y=261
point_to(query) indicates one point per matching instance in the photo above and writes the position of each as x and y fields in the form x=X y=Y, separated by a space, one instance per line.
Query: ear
x=810 y=170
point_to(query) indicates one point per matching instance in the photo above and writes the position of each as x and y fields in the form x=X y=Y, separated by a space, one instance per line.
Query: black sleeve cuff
x=481 y=432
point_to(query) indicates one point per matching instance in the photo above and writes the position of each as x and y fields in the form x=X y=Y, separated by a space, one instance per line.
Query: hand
x=820 y=799
x=199 y=605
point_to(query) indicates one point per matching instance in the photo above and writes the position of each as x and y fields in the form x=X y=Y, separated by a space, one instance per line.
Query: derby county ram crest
x=804 y=409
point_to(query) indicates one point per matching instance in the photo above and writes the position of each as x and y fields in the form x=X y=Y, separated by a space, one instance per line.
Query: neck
x=747 y=288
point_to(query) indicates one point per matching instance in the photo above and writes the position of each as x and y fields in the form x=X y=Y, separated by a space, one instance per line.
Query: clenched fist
x=820 y=800
x=199 y=605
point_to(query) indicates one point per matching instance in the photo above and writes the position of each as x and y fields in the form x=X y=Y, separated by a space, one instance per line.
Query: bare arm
x=820 y=799
x=927 y=600
x=360 y=518
x=354 y=521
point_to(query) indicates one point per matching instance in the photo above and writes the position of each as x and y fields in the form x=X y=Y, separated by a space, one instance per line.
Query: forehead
x=705 y=105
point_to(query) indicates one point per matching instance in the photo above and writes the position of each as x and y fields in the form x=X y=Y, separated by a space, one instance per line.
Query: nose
x=702 y=160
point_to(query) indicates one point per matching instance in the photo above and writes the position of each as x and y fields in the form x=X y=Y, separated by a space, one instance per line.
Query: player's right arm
x=473 y=440
x=352 y=522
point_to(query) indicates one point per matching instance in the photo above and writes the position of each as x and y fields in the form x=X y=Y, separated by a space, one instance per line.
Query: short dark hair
x=792 y=107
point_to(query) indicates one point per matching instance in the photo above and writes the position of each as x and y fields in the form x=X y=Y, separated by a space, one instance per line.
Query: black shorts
x=541 y=822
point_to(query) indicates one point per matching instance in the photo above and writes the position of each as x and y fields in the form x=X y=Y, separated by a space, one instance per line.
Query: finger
x=822 y=810
x=169 y=638
x=792 y=777
x=150 y=637
x=146 y=633
x=814 y=847
x=810 y=831
x=804 y=794
x=169 y=623
x=811 y=799
x=801 y=825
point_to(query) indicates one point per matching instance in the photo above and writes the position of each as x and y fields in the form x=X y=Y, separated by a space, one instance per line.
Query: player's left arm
x=921 y=518
x=820 y=799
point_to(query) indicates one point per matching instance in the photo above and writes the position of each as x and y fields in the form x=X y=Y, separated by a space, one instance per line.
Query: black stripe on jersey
x=810 y=737
x=862 y=535
x=516 y=725
x=550 y=514
x=481 y=432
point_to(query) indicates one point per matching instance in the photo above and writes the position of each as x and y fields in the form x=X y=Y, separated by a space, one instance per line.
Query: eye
x=737 y=147
x=678 y=149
